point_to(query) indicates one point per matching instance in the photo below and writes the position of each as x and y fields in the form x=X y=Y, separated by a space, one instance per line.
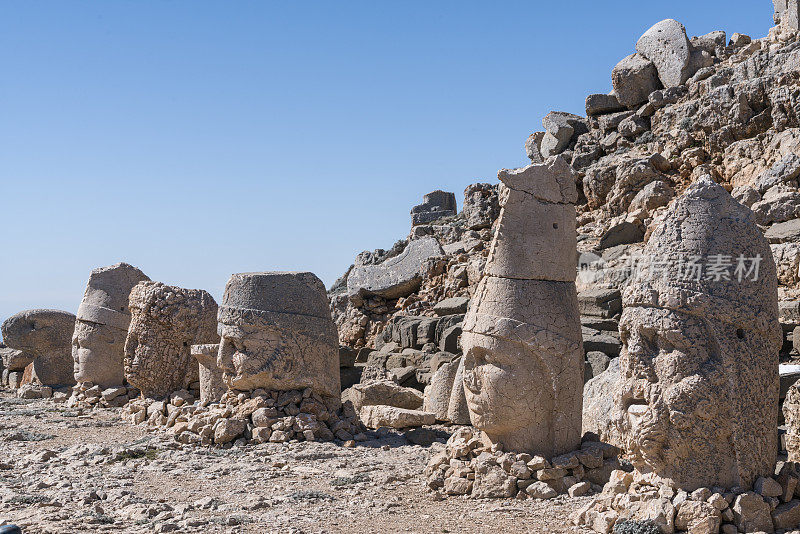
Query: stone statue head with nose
x=277 y=334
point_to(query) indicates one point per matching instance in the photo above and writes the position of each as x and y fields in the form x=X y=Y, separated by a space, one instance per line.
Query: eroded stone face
x=277 y=334
x=523 y=359
x=165 y=322
x=44 y=334
x=98 y=342
x=699 y=364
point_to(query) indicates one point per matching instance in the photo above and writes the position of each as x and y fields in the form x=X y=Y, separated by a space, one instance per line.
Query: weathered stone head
x=45 y=335
x=165 y=322
x=700 y=333
x=277 y=334
x=523 y=359
x=98 y=342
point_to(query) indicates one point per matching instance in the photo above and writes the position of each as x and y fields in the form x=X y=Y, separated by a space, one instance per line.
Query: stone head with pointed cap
x=277 y=334
x=103 y=317
x=701 y=337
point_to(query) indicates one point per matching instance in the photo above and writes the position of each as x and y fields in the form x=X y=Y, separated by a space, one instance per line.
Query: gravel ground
x=66 y=471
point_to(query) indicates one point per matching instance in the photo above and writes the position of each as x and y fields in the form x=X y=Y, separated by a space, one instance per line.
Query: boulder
x=654 y=195
x=634 y=78
x=533 y=147
x=396 y=277
x=457 y=409
x=787 y=515
x=752 y=514
x=600 y=302
x=451 y=306
x=15 y=360
x=698 y=518
x=393 y=417
x=623 y=233
x=785 y=232
x=712 y=43
x=600 y=104
x=384 y=392
x=666 y=45
x=598 y=402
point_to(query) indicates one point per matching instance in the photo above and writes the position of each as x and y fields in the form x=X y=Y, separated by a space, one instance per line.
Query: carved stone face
x=677 y=408
x=257 y=353
x=502 y=387
x=165 y=322
x=97 y=352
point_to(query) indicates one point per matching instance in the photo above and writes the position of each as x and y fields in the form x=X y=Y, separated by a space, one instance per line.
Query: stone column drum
x=98 y=342
x=45 y=335
x=699 y=365
x=165 y=322
x=278 y=335
x=523 y=356
x=212 y=387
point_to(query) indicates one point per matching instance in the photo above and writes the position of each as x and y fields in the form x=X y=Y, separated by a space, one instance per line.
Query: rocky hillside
x=681 y=108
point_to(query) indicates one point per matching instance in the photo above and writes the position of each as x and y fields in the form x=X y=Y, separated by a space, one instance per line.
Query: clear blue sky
x=196 y=139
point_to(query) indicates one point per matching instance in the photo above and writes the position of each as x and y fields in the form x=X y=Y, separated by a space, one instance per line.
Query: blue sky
x=196 y=139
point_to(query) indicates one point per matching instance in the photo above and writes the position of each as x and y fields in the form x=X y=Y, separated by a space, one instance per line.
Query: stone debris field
x=605 y=340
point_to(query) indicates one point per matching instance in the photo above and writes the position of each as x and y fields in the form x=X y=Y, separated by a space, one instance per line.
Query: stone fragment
x=98 y=342
x=711 y=42
x=752 y=514
x=600 y=104
x=278 y=335
x=437 y=394
x=510 y=341
x=398 y=276
x=600 y=302
x=533 y=147
x=541 y=490
x=393 y=417
x=451 y=306
x=226 y=430
x=786 y=515
x=457 y=409
x=785 y=232
x=492 y=482
x=698 y=518
x=45 y=335
x=767 y=487
x=212 y=387
x=654 y=195
x=15 y=360
x=623 y=233
x=688 y=335
x=435 y=205
x=165 y=322
x=666 y=45
x=739 y=40
x=385 y=392
x=481 y=205
x=634 y=78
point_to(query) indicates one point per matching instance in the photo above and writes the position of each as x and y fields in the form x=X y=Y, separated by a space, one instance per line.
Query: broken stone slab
x=533 y=147
x=47 y=336
x=458 y=411
x=790 y=374
x=451 y=306
x=711 y=42
x=393 y=417
x=667 y=46
x=396 y=277
x=634 y=78
x=600 y=104
x=601 y=341
x=212 y=387
x=481 y=205
x=785 y=232
x=384 y=392
x=608 y=123
x=600 y=302
x=784 y=171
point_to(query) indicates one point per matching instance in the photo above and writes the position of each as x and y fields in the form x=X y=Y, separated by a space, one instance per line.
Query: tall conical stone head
x=277 y=334
x=98 y=342
x=700 y=340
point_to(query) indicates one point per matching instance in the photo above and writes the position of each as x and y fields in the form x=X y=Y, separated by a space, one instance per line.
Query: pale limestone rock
x=698 y=518
x=683 y=375
x=634 y=78
x=385 y=392
x=212 y=387
x=165 y=322
x=666 y=45
x=457 y=409
x=277 y=334
x=377 y=416
x=523 y=358
x=437 y=394
x=46 y=336
x=98 y=342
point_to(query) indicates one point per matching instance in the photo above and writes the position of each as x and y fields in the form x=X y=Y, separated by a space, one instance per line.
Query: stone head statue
x=277 y=334
x=699 y=363
x=98 y=342
x=165 y=322
x=523 y=358
x=45 y=336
